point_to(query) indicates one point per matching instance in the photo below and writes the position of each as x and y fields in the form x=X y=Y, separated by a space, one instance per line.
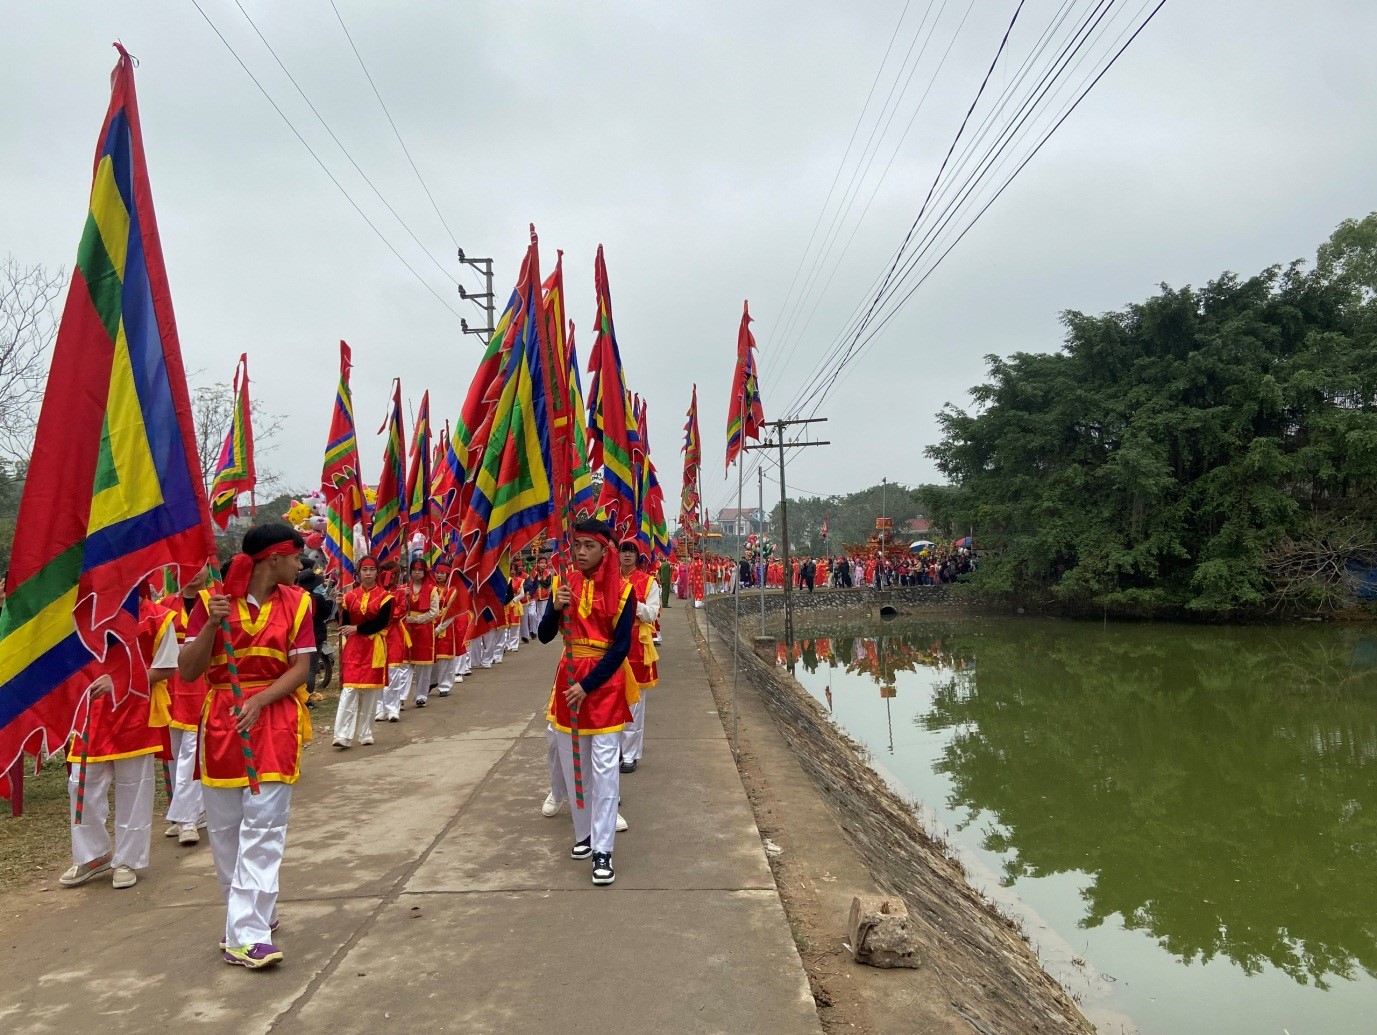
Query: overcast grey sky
x=695 y=141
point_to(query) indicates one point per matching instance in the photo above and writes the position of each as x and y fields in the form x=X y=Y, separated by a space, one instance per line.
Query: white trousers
x=463 y=664
x=633 y=736
x=419 y=683
x=446 y=670
x=390 y=702
x=186 y=806
x=597 y=820
x=356 y=710
x=513 y=634
x=530 y=620
x=494 y=645
x=558 y=789
x=133 y=780
x=478 y=652
x=248 y=834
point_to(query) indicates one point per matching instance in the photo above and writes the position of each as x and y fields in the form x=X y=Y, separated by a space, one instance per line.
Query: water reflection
x=1216 y=786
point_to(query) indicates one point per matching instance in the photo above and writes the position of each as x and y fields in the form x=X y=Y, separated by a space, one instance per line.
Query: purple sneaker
x=272 y=929
x=255 y=957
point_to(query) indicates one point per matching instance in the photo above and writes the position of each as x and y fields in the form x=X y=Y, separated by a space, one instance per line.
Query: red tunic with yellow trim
x=512 y=612
x=264 y=639
x=450 y=641
x=587 y=635
x=123 y=723
x=363 y=660
x=188 y=695
x=398 y=638
x=644 y=659
x=421 y=601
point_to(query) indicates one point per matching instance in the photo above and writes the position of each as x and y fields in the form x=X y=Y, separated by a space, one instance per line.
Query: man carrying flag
x=595 y=611
x=271 y=636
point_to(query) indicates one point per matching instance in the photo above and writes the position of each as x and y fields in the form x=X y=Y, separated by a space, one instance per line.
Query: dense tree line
x=1210 y=450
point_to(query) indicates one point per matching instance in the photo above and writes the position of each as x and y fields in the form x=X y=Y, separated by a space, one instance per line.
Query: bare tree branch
x=28 y=325
x=212 y=410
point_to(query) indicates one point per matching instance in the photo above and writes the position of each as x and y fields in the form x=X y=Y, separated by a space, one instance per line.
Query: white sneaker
x=189 y=835
x=621 y=823
x=551 y=807
x=173 y=829
x=367 y=741
x=79 y=875
x=124 y=877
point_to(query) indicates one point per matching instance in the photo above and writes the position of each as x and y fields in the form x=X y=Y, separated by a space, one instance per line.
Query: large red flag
x=745 y=415
x=114 y=489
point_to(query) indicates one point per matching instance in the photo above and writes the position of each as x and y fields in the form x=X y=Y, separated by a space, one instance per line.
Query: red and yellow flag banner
x=114 y=488
x=745 y=415
x=234 y=472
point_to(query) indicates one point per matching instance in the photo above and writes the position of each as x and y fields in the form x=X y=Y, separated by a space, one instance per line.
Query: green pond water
x=1185 y=817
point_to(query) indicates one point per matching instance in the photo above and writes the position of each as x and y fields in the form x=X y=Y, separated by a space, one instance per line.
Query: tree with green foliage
x=1156 y=461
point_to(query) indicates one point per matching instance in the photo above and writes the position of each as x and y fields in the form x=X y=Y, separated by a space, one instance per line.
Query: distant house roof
x=732 y=514
x=918 y=525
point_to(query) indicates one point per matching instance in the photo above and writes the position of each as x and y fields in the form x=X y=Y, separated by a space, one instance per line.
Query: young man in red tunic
x=596 y=613
x=185 y=813
x=516 y=607
x=125 y=730
x=365 y=613
x=421 y=602
x=389 y=707
x=643 y=657
x=272 y=636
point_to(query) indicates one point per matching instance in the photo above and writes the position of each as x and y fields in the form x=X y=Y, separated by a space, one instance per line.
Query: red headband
x=241 y=567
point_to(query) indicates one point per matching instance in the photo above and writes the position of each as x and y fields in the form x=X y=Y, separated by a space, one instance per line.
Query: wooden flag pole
x=250 y=770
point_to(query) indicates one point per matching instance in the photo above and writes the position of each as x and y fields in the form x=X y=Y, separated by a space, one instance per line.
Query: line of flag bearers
x=397 y=643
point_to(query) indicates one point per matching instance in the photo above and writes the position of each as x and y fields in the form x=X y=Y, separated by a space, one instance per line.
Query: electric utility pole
x=781 y=445
x=484 y=301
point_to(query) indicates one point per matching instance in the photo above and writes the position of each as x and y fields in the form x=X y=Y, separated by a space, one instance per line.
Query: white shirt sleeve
x=649 y=612
x=165 y=654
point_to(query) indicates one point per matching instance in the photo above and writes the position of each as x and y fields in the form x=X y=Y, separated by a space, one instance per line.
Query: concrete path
x=423 y=888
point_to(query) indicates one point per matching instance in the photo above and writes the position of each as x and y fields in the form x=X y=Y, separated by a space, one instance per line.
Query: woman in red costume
x=421 y=603
x=365 y=614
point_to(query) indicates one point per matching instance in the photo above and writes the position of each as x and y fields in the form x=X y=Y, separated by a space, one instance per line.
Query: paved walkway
x=423 y=888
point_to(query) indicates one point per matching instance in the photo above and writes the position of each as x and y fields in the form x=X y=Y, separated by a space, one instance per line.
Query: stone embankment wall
x=991 y=974
x=859 y=599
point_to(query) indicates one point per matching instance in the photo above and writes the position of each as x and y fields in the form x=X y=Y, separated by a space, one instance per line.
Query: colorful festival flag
x=611 y=424
x=745 y=415
x=582 y=497
x=560 y=418
x=418 y=487
x=234 y=473
x=387 y=511
x=340 y=480
x=690 y=507
x=114 y=487
x=511 y=496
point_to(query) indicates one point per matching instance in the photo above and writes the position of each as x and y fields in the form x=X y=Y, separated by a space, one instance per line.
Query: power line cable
x=324 y=168
x=321 y=119
x=395 y=130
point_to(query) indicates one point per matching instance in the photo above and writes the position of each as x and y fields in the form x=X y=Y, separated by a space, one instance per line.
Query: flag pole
x=250 y=769
x=736 y=633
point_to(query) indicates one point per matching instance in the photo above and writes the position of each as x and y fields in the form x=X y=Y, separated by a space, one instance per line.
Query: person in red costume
x=365 y=613
x=595 y=611
x=185 y=814
x=389 y=705
x=125 y=727
x=643 y=657
x=271 y=632
x=420 y=600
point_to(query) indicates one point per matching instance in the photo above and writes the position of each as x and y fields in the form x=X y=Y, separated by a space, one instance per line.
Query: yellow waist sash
x=587 y=650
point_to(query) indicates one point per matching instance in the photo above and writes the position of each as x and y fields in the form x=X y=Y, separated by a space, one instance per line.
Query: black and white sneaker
x=582 y=850
x=602 y=868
